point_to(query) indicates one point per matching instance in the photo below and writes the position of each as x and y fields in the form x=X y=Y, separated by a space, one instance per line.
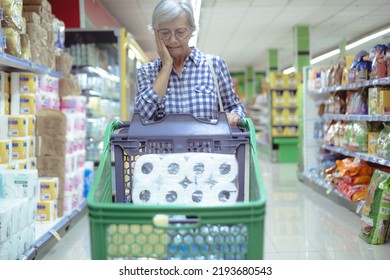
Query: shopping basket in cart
x=120 y=229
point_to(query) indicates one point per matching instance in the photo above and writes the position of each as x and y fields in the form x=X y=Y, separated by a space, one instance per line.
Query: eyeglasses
x=180 y=34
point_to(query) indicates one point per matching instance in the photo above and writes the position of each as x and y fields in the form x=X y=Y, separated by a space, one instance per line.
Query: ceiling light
x=367 y=39
x=347 y=48
x=324 y=56
x=289 y=70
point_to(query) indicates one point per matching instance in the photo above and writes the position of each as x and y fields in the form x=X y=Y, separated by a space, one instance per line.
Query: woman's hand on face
x=163 y=52
x=233 y=119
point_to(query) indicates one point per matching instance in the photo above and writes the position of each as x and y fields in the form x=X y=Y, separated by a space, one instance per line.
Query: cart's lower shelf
x=49 y=234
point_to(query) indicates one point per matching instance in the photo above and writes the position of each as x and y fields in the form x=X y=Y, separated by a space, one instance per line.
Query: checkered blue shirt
x=194 y=92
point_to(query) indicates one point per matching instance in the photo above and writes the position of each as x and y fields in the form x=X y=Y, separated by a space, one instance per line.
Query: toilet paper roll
x=145 y=194
x=199 y=167
x=224 y=193
x=172 y=194
x=23 y=82
x=173 y=168
x=224 y=168
x=147 y=168
x=198 y=195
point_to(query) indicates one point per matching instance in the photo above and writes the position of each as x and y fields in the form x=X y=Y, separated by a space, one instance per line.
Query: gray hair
x=167 y=10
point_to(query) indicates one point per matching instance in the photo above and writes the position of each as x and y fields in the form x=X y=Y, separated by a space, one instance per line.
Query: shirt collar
x=196 y=56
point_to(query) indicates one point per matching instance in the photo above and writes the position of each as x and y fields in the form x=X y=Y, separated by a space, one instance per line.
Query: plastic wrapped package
x=383 y=143
x=25 y=47
x=59 y=35
x=375 y=218
x=13 y=46
x=359 y=140
x=377 y=55
x=12 y=14
x=64 y=62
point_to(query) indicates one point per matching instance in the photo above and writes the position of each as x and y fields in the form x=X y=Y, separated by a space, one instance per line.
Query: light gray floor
x=300 y=224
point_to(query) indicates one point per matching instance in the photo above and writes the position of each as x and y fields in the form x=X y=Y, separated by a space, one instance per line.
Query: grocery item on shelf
x=383 y=143
x=351 y=177
x=378 y=58
x=375 y=217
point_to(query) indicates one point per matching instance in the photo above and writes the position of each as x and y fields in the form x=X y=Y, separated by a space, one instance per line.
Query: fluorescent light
x=196 y=4
x=366 y=39
x=324 y=56
x=289 y=70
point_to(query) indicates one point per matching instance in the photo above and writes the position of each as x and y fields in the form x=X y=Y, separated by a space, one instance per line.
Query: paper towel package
x=19 y=183
x=5 y=222
x=18 y=126
x=20 y=148
x=48 y=188
x=183 y=178
x=6 y=250
x=47 y=211
x=5 y=100
x=24 y=82
x=5 y=151
x=4 y=82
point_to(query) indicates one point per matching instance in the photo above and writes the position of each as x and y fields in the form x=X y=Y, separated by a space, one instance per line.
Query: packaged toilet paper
x=185 y=178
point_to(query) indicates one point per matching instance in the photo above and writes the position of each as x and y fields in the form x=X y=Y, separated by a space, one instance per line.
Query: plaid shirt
x=194 y=92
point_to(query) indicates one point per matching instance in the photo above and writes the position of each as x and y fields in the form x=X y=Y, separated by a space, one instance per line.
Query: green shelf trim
x=286 y=140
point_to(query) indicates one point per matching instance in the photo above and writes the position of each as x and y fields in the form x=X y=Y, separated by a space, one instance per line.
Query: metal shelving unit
x=49 y=232
x=311 y=146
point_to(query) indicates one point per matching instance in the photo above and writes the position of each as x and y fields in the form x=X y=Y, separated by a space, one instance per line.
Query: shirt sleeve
x=230 y=100
x=146 y=100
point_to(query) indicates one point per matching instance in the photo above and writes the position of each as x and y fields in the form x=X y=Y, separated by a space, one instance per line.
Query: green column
x=250 y=83
x=272 y=60
x=301 y=47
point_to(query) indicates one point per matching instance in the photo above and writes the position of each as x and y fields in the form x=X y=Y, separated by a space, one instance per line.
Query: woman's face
x=176 y=35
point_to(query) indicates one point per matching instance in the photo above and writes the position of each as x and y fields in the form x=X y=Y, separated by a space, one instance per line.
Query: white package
x=20 y=183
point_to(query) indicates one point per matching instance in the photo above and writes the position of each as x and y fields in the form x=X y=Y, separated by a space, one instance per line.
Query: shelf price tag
x=359 y=207
x=55 y=234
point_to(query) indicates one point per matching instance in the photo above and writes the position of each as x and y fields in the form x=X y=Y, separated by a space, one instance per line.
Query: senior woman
x=180 y=80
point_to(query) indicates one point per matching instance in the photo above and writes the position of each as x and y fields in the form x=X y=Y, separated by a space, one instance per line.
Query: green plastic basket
x=132 y=231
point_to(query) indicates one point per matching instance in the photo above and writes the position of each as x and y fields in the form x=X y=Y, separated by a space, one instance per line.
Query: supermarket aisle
x=300 y=224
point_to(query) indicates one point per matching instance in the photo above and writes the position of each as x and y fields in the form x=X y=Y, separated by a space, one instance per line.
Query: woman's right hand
x=163 y=52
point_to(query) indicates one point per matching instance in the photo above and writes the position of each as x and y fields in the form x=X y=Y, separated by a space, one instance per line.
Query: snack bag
x=375 y=217
x=383 y=143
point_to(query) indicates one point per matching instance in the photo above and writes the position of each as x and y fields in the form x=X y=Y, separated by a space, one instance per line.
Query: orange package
x=353 y=167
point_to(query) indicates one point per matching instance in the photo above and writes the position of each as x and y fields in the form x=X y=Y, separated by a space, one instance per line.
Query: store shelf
x=97 y=72
x=363 y=156
x=328 y=190
x=50 y=233
x=352 y=86
x=94 y=93
x=368 y=118
x=12 y=63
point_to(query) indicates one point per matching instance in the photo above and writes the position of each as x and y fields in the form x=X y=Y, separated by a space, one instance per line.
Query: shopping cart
x=120 y=229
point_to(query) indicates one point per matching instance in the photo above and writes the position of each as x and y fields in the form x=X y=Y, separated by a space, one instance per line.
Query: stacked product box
x=74 y=108
x=51 y=149
x=18 y=208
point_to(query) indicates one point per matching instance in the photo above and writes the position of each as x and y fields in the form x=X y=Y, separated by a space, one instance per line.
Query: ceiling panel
x=243 y=30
